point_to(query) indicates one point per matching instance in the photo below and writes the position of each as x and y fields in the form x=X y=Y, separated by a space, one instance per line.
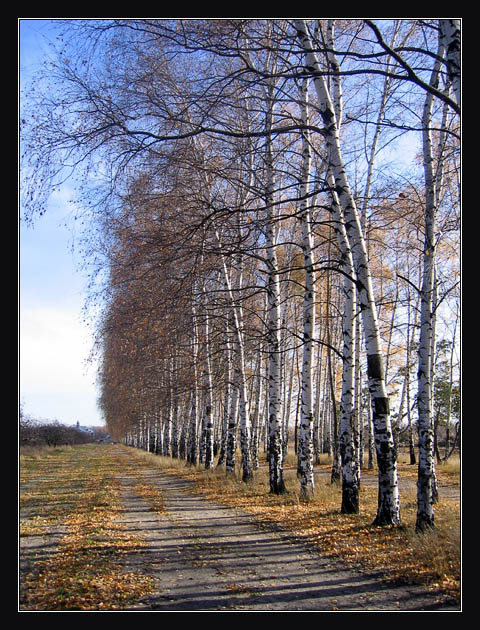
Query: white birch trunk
x=275 y=449
x=227 y=398
x=167 y=428
x=207 y=396
x=388 y=496
x=243 y=415
x=182 y=445
x=244 y=408
x=410 y=344
x=238 y=359
x=359 y=426
x=348 y=447
x=174 y=395
x=449 y=402
x=256 y=412
x=232 y=427
x=192 y=449
x=305 y=442
x=316 y=410
x=426 y=474
x=450 y=30
x=159 y=446
x=275 y=446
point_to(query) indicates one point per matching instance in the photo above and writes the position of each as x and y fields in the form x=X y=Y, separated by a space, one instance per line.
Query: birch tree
x=277 y=485
x=240 y=382
x=192 y=446
x=305 y=446
x=451 y=36
x=388 y=496
x=207 y=402
x=348 y=446
x=426 y=473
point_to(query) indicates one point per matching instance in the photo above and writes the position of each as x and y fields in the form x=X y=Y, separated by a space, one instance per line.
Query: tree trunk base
x=335 y=477
x=247 y=477
x=383 y=519
x=306 y=493
x=350 y=504
x=424 y=523
x=278 y=487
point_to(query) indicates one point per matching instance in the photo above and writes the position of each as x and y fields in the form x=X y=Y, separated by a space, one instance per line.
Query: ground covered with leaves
x=74 y=490
x=76 y=552
x=432 y=559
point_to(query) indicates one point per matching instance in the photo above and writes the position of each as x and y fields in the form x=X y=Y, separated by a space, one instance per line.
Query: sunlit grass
x=450 y=468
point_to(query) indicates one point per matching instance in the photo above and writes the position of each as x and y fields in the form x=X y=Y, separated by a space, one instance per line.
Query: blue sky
x=55 y=381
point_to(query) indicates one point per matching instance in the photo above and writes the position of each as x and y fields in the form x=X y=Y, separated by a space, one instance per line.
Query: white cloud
x=55 y=381
x=54 y=347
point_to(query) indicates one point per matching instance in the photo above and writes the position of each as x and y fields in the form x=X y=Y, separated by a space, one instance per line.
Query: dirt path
x=206 y=557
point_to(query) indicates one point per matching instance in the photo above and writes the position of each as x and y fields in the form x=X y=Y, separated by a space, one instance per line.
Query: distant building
x=84 y=429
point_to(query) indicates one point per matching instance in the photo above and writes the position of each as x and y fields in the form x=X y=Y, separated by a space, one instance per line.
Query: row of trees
x=268 y=257
x=37 y=432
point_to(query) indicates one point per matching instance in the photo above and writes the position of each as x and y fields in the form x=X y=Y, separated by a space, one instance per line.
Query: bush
x=47 y=433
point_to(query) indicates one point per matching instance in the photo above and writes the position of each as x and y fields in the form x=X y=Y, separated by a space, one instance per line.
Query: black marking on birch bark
x=328 y=121
x=361 y=288
x=381 y=406
x=374 y=366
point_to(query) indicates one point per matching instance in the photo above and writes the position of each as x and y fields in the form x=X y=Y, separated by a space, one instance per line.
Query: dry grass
x=450 y=469
x=431 y=559
x=74 y=490
x=448 y=473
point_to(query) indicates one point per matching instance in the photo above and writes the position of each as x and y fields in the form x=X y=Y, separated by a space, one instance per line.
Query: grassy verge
x=75 y=490
x=431 y=559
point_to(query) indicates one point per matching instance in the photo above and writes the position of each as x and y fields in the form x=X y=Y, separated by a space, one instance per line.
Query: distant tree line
x=39 y=432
